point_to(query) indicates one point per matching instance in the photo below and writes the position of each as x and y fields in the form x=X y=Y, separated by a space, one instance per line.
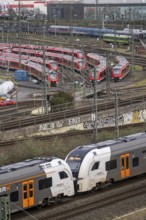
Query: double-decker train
x=98 y=72
x=40 y=181
x=121 y=69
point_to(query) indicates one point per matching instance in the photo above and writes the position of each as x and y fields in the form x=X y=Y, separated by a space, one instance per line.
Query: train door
x=125 y=165
x=28 y=193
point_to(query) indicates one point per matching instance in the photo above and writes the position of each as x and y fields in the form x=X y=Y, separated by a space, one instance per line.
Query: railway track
x=85 y=204
x=65 y=136
x=16 y=124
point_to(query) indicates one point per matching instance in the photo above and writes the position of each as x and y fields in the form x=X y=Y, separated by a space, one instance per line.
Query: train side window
x=110 y=165
x=63 y=175
x=95 y=166
x=14 y=196
x=45 y=183
x=135 y=162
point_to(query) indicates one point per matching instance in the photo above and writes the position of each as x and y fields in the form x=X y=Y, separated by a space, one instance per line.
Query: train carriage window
x=135 y=162
x=45 y=183
x=95 y=166
x=24 y=187
x=25 y=195
x=63 y=175
x=14 y=196
x=31 y=193
x=111 y=165
x=127 y=162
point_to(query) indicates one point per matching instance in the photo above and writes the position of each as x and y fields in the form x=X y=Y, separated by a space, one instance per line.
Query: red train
x=99 y=67
x=121 y=69
x=65 y=60
x=66 y=51
x=34 y=69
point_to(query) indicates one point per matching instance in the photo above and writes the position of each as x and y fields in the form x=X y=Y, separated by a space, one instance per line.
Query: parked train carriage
x=85 y=31
x=99 y=67
x=37 y=70
x=117 y=39
x=35 y=182
x=67 y=51
x=8 y=62
x=51 y=64
x=56 y=29
x=97 y=165
x=121 y=69
x=35 y=53
x=65 y=60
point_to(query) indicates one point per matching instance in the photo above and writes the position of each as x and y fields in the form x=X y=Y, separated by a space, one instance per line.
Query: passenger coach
x=34 y=182
x=97 y=165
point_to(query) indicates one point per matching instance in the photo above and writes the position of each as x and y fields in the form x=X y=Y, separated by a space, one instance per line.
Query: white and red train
x=99 y=67
x=65 y=60
x=121 y=69
x=35 y=69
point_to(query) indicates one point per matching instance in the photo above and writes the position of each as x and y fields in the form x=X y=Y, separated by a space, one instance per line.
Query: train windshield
x=116 y=71
x=74 y=163
x=53 y=75
x=54 y=65
x=92 y=72
x=81 y=63
x=80 y=55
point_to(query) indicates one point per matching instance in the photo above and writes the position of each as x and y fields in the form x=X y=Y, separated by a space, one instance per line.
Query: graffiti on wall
x=128 y=118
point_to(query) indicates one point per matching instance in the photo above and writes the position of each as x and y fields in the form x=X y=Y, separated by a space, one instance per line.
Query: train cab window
x=110 y=165
x=95 y=166
x=14 y=196
x=45 y=183
x=135 y=162
x=63 y=175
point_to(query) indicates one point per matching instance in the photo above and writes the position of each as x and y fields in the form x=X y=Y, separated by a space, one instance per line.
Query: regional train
x=65 y=60
x=121 y=69
x=99 y=67
x=40 y=181
x=66 y=51
x=34 y=69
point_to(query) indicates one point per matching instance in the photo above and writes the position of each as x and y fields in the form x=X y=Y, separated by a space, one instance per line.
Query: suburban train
x=34 y=69
x=99 y=70
x=43 y=180
x=98 y=165
x=36 y=182
x=121 y=69
x=66 y=51
x=65 y=60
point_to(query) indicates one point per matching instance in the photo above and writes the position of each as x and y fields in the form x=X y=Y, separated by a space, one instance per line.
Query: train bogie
x=37 y=181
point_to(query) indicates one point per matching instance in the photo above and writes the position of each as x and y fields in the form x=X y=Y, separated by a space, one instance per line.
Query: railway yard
x=119 y=106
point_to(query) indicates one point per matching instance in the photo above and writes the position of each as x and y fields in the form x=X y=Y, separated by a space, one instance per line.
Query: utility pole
x=45 y=88
x=95 y=107
x=19 y=27
x=116 y=115
x=132 y=50
x=108 y=78
x=5 y=208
